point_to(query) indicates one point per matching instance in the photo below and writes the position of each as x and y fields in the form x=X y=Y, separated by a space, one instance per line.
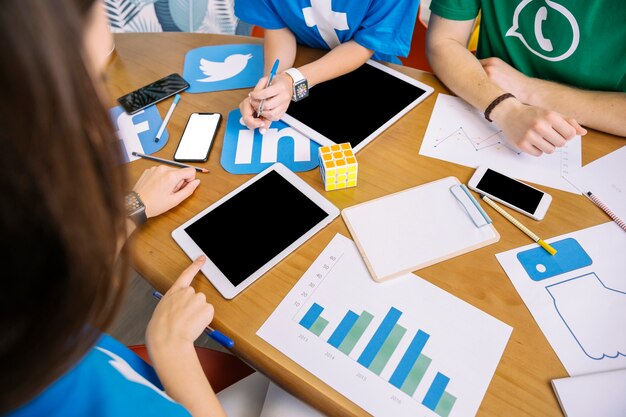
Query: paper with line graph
x=459 y=133
x=398 y=348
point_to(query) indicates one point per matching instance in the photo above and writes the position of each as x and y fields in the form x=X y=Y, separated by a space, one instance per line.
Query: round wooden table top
x=390 y=163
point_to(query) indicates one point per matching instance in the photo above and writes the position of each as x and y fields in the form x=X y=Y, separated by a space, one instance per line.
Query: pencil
x=167 y=161
x=167 y=118
x=621 y=223
x=520 y=226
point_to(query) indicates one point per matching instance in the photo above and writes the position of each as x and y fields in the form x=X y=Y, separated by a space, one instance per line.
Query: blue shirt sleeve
x=388 y=27
x=260 y=13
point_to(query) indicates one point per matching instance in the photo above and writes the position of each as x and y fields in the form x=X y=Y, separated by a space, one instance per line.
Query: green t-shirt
x=576 y=42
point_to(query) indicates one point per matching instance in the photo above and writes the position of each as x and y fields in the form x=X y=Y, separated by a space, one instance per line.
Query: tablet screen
x=353 y=106
x=256 y=224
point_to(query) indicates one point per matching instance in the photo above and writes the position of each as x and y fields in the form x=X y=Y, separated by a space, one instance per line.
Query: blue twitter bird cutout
x=223 y=67
x=246 y=151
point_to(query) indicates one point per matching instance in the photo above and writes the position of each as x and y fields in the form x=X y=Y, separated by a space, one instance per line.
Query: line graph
x=478 y=142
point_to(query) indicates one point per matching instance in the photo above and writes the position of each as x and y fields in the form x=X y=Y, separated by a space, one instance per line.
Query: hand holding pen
x=268 y=101
x=183 y=314
x=269 y=82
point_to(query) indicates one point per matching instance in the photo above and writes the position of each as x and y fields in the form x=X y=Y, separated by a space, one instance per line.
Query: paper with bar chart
x=577 y=296
x=402 y=348
x=459 y=133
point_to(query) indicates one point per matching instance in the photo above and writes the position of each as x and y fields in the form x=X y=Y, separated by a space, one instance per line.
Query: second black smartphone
x=153 y=93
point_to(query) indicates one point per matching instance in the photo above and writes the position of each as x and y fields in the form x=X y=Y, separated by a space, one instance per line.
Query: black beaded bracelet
x=495 y=102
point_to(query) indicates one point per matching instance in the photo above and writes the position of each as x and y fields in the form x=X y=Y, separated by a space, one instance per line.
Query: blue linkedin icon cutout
x=246 y=151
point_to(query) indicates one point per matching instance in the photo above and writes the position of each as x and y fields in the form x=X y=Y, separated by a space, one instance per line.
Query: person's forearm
x=182 y=377
x=339 y=61
x=605 y=111
x=457 y=67
x=279 y=44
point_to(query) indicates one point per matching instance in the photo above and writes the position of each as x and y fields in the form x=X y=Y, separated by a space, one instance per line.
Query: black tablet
x=255 y=226
x=356 y=107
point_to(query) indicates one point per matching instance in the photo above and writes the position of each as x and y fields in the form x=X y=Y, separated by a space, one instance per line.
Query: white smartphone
x=512 y=193
x=198 y=137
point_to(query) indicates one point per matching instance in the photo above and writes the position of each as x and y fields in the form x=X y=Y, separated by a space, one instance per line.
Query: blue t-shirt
x=110 y=381
x=384 y=26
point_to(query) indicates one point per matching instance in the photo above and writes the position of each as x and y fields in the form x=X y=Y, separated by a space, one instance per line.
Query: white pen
x=167 y=118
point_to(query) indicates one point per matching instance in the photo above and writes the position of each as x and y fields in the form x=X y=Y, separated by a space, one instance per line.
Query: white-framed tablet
x=356 y=107
x=255 y=226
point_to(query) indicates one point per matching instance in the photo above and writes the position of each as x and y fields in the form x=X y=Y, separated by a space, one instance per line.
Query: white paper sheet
x=580 y=310
x=414 y=350
x=458 y=133
x=245 y=398
x=279 y=403
x=602 y=394
x=606 y=179
x=256 y=396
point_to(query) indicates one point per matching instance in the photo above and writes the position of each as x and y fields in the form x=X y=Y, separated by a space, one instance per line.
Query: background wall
x=202 y=16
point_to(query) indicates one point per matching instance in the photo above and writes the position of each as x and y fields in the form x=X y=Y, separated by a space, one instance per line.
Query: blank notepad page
x=414 y=228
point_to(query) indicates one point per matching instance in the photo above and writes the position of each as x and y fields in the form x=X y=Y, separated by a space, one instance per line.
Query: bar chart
x=402 y=348
x=410 y=370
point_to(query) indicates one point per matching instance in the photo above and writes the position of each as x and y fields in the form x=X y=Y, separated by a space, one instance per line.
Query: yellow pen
x=520 y=226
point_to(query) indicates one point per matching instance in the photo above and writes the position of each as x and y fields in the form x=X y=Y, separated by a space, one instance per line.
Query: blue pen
x=167 y=118
x=269 y=82
x=216 y=335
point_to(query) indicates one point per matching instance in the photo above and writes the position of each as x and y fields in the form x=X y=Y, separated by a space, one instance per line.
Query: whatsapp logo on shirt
x=546 y=28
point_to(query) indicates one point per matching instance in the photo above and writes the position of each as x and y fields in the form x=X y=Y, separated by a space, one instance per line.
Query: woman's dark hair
x=61 y=211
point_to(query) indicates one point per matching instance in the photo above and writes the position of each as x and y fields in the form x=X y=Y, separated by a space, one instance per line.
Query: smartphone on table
x=198 y=136
x=153 y=93
x=512 y=193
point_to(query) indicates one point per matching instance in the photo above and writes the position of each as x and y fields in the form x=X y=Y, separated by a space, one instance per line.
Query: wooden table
x=390 y=163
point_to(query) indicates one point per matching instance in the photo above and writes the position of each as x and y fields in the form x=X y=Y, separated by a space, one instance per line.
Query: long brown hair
x=61 y=194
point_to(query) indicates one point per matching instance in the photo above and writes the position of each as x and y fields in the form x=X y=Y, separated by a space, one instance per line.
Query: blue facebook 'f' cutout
x=246 y=151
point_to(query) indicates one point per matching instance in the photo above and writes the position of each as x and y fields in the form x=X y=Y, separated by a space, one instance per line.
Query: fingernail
x=201 y=258
x=262 y=130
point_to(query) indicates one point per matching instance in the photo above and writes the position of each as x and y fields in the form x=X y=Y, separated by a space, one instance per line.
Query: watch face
x=301 y=90
x=133 y=203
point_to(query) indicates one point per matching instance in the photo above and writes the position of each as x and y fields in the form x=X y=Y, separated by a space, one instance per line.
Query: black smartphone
x=198 y=137
x=153 y=93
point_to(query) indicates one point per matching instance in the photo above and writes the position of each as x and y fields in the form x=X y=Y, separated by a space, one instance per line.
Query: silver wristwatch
x=135 y=209
x=300 y=84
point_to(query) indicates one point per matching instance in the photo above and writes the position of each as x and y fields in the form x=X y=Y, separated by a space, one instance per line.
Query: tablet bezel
x=324 y=141
x=212 y=273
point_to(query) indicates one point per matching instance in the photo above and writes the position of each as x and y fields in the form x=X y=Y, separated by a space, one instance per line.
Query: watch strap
x=300 y=84
x=135 y=208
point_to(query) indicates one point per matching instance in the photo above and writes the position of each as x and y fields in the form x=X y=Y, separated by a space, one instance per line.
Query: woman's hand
x=180 y=317
x=162 y=187
x=277 y=98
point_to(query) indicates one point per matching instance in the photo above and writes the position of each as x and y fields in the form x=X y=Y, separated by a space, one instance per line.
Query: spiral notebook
x=418 y=227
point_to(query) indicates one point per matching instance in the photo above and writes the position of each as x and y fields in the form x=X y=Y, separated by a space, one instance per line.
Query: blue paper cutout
x=246 y=151
x=223 y=67
x=137 y=132
x=540 y=265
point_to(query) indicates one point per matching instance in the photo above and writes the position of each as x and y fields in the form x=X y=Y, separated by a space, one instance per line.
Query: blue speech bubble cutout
x=540 y=265
x=223 y=67
x=246 y=151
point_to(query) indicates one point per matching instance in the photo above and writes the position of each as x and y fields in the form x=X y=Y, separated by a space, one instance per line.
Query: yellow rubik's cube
x=338 y=166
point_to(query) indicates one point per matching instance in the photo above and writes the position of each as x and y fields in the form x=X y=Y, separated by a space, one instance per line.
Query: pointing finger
x=185 y=279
